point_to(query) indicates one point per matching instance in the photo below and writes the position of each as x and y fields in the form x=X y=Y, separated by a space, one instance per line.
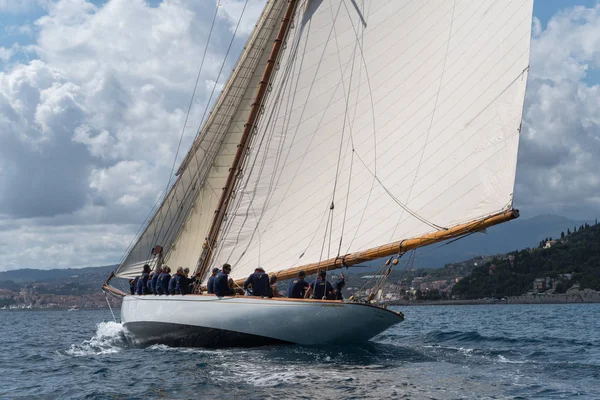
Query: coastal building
x=542 y=284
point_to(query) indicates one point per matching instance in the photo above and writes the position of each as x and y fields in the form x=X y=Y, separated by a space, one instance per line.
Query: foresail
x=387 y=120
x=183 y=219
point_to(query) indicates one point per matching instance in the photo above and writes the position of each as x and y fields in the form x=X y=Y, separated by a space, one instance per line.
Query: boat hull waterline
x=209 y=321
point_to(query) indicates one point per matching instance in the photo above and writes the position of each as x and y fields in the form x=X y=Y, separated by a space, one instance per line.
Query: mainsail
x=386 y=120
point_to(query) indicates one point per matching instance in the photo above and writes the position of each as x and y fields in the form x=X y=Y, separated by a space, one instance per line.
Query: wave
x=474 y=337
x=109 y=339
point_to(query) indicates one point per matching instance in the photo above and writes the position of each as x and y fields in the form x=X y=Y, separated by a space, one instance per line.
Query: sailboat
x=348 y=131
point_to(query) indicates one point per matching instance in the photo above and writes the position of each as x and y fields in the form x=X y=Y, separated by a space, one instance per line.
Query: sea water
x=438 y=352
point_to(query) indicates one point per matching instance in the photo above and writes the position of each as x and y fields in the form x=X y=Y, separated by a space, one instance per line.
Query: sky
x=94 y=95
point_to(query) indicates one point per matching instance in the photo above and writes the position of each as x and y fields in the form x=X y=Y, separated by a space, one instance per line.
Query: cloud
x=90 y=128
x=560 y=142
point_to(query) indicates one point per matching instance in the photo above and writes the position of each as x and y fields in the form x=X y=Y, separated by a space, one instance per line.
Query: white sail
x=403 y=114
x=183 y=219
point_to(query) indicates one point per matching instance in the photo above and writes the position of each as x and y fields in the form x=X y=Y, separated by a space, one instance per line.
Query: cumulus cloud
x=560 y=142
x=90 y=128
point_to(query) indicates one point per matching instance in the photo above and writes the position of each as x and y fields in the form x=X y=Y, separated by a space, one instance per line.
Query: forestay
x=183 y=219
x=402 y=115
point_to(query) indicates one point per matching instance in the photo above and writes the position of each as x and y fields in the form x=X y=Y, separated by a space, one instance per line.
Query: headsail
x=387 y=120
x=183 y=219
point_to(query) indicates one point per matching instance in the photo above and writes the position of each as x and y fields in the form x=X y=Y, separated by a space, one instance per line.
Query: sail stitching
x=347 y=98
x=247 y=162
x=253 y=118
x=437 y=96
x=262 y=42
x=302 y=113
x=275 y=112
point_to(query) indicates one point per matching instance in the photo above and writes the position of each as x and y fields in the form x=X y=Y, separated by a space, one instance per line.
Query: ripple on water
x=439 y=352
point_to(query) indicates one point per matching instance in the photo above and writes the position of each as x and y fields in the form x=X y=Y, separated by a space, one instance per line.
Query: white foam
x=503 y=359
x=109 y=338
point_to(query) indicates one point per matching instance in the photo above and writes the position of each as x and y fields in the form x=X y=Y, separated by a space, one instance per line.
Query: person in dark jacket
x=221 y=285
x=142 y=282
x=173 y=281
x=211 y=281
x=338 y=286
x=259 y=282
x=154 y=281
x=163 y=281
x=320 y=288
x=133 y=285
x=184 y=283
x=298 y=287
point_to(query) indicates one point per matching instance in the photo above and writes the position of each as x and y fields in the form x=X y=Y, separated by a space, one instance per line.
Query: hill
x=574 y=259
x=510 y=236
x=35 y=275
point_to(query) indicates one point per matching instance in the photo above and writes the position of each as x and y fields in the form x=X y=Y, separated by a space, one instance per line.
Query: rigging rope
x=172 y=224
x=247 y=160
x=109 y=307
x=188 y=111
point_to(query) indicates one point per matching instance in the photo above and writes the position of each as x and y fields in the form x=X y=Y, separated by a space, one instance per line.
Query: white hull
x=198 y=320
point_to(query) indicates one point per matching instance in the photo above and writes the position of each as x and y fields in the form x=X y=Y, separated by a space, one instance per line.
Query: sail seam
x=433 y=112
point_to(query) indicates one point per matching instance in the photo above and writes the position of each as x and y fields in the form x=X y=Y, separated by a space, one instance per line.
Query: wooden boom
x=397 y=247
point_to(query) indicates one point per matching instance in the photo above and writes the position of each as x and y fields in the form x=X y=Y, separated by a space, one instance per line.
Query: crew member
x=174 y=280
x=188 y=285
x=133 y=285
x=163 y=281
x=298 y=287
x=320 y=288
x=259 y=282
x=142 y=282
x=338 y=286
x=273 y=290
x=221 y=285
x=211 y=281
x=154 y=281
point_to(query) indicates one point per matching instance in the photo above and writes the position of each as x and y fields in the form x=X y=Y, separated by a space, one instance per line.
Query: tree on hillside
x=513 y=276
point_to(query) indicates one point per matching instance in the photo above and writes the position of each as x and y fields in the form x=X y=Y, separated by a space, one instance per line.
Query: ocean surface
x=439 y=352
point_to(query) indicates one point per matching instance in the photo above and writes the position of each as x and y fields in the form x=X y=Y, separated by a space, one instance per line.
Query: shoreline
x=584 y=296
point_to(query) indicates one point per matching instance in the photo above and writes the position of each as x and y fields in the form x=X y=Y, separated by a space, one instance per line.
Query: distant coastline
x=578 y=296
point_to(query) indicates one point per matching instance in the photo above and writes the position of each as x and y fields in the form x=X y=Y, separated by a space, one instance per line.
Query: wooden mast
x=397 y=247
x=236 y=168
